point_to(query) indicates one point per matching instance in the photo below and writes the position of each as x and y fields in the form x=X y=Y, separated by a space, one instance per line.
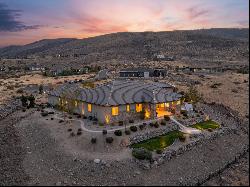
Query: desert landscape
x=128 y=93
x=227 y=89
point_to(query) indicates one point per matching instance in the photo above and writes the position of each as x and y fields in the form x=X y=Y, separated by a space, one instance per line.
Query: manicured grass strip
x=160 y=142
x=209 y=124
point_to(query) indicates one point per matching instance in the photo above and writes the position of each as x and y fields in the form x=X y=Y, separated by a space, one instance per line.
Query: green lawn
x=209 y=124
x=160 y=142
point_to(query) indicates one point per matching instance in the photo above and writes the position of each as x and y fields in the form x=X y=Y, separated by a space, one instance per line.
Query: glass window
x=115 y=111
x=82 y=108
x=138 y=107
x=128 y=108
x=166 y=105
x=89 y=108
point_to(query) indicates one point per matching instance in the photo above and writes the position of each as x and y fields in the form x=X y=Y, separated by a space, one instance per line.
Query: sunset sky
x=25 y=21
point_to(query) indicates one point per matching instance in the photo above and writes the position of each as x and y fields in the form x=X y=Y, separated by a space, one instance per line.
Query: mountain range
x=219 y=43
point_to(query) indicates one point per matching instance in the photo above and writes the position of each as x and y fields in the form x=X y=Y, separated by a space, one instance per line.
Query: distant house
x=102 y=74
x=160 y=57
x=63 y=71
x=142 y=72
x=118 y=100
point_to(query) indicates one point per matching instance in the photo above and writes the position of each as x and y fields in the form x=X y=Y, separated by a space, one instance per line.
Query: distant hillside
x=205 y=43
x=232 y=33
x=33 y=48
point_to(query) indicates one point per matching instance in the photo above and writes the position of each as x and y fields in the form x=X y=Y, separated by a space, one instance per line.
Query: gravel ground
x=33 y=156
x=236 y=175
x=12 y=152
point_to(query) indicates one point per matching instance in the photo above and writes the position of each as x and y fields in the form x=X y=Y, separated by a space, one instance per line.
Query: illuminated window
x=162 y=105
x=115 y=111
x=89 y=107
x=178 y=102
x=166 y=105
x=138 y=107
x=76 y=103
x=107 y=119
x=128 y=108
x=82 y=108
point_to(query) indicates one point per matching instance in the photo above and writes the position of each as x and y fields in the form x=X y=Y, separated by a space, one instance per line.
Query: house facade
x=118 y=100
x=142 y=72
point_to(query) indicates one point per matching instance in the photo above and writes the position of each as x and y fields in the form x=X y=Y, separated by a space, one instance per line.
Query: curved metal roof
x=119 y=92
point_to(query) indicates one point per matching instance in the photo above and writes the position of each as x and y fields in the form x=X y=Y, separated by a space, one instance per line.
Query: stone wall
x=152 y=134
x=9 y=108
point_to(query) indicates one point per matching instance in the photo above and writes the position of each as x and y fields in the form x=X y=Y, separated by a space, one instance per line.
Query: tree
x=24 y=101
x=31 y=99
x=192 y=95
x=40 y=89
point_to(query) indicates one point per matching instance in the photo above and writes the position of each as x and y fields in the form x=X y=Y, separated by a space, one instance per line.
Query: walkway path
x=184 y=129
x=108 y=130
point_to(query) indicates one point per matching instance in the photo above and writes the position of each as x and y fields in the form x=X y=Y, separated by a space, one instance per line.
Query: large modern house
x=142 y=72
x=118 y=100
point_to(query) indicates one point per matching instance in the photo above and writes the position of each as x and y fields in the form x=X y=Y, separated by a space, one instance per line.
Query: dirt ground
x=232 y=90
x=9 y=87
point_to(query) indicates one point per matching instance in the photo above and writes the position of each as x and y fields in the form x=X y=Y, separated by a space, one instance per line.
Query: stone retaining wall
x=9 y=108
x=152 y=134
x=199 y=139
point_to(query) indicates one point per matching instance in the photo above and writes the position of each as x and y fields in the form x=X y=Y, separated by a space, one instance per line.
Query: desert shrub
x=79 y=129
x=142 y=154
x=70 y=117
x=19 y=91
x=118 y=132
x=104 y=131
x=159 y=151
x=131 y=121
x=127 y=132
x=210 y=130
x=120 y=123
x=79 y=116
x=75 y=114
x=90 y=117
x=166 y=117
x=69 y=130
x=182 y=138
x=133 y=128
x=156 y=125
x=163 y=122
x=151 y=124
x=141 y=127
x=24 y=110
x=79 y=132
x=93 y=140
x=184 y=112
x=109 y=139
x=44 y=114
x=61 y=121
x=84 y=117
x=52 y=118
x=51 y=112
x=72 y=134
